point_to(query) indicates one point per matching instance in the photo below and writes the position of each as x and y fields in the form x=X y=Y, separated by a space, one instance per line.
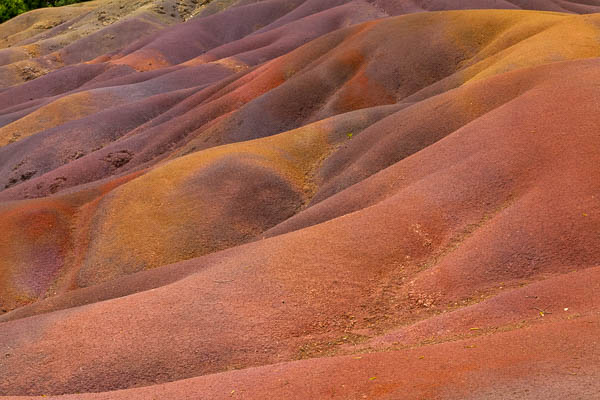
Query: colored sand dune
x=300 y=199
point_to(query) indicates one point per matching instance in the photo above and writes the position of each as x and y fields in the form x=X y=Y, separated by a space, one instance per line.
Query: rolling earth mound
x=300 y=199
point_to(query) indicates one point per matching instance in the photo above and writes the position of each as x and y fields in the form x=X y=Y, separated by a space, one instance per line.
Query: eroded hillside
x=300 y=199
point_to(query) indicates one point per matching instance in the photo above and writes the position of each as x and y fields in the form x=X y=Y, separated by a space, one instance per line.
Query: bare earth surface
x=301 y=199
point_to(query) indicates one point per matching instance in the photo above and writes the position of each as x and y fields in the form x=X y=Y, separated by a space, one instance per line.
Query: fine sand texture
x=301 y=199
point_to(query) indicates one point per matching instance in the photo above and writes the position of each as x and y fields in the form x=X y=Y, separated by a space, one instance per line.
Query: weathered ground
x=301 y=199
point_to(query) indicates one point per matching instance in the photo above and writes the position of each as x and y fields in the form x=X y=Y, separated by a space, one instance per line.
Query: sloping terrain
x=301 y=199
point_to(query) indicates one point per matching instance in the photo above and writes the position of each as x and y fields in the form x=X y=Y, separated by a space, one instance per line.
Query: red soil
x=301 y=199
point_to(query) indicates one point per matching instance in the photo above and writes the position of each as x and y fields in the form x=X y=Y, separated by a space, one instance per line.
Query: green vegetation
x=12 y=8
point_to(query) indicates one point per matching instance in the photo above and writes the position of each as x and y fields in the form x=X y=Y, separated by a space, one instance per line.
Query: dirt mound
x=301 y=199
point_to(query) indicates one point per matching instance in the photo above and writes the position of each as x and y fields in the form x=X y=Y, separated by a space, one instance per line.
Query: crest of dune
x=300 y=199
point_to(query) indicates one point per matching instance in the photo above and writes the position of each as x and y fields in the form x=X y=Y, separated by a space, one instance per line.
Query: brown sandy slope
x=302 y=199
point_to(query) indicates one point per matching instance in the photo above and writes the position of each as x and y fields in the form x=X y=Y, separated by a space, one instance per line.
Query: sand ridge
x=300 y=199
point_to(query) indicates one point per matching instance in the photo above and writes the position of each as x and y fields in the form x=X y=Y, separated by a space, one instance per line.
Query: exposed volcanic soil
x=301 y=199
